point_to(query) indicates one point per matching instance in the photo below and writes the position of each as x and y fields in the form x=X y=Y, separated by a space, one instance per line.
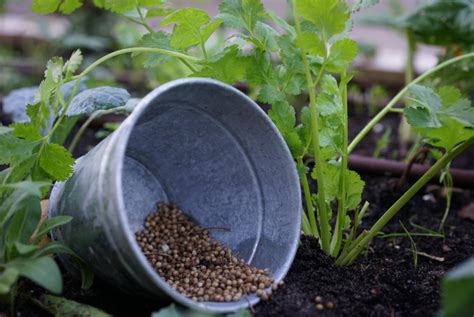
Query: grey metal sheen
x=206 y=147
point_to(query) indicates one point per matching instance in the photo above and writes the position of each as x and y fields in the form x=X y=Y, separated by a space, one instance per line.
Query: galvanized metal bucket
x=204 y=146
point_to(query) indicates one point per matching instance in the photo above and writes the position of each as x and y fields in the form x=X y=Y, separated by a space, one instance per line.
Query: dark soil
x=385 y=282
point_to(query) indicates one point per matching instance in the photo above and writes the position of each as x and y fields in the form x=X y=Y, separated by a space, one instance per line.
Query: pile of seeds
x=194 y=264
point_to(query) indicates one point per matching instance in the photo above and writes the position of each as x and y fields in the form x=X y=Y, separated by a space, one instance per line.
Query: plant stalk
x=341 y=204
x=395 y=208
x=86 y=124
x=322 y=213
x=309 y=204
x=134 y=50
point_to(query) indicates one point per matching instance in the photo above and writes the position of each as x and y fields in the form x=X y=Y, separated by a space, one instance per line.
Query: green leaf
x=443 y=23
x=60 y=306
x=98 y=98
x=270 y=94
x=354 y=188
x=289 y=29
x=43 y=271
x=354 y=184
x=191 y=28
x=17 y=196
x=241 y=13
x=21 y=170
x=159 y=12
x=449 y=95
x=56 y=161
x=446 y=136
x=73 y=63
x=14 y=150
x=26 y=130
x=64 y=129
x=227 y=66
x=329 y=103
x=50 y=224
x=24 y=221
x=312 y=44
x=23 y=249
x=117 y=6
x=462 y=112
x=328 y=16
x=56 y=248
x=358 y=5
x=444 y=120
x=283 y=115
x=155 y=40
x=28 y=187
x=343 y=52
x=423 y=107
x=331 y=174
x=7 y=278
x=209 y=29
x=458 y=291
x=50 y=6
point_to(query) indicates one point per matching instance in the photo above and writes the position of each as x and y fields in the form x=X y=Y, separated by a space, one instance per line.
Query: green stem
x=203 y=48
x=188 y=65
x=143 y=22
x=134 y=50
x=309 y=203
x=395 y=208
x=411 y=46
x=86 y=124
x=341 y=204
x=322 y=213
x=399 y=96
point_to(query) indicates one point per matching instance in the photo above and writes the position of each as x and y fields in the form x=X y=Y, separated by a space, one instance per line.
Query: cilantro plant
x=34 y=161
x=280 y=60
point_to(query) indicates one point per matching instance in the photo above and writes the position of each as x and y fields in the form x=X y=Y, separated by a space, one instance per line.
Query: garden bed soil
x=382 y=283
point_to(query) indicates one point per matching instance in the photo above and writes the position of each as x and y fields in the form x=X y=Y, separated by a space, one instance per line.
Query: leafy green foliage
x=328 y=16
x=98 y=98
x=458 y=290
x=192 y=27
x=43 y=271
x=456 y=26
x=445 y=118
x=155 y=40
x=228 y=66
x=241 y=14
x=34 y=162
x=50 y=6
x=56 y=161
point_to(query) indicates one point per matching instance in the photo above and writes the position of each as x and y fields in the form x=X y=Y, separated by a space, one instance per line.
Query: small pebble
x=319 y=307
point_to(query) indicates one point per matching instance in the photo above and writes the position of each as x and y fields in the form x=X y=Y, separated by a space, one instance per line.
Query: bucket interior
x=214 y=154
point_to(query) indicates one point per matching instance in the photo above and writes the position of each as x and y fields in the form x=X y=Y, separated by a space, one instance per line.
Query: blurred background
x=397 y=40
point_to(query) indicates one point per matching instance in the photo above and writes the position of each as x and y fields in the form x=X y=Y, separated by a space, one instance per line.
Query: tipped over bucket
x=206 y=147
